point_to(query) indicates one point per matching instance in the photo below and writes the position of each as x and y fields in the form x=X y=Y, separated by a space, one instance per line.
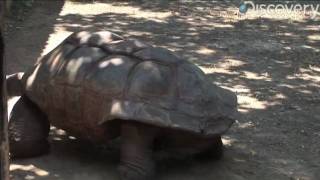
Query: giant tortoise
x=98 y=86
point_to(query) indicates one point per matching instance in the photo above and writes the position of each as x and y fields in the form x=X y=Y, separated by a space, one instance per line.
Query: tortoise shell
x=96 y=77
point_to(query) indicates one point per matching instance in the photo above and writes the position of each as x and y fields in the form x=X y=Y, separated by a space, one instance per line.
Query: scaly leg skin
x=136 y=161
x=217 y=148
x=28 y=130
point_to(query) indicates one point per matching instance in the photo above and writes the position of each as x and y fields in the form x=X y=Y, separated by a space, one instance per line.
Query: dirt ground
x=271 y=61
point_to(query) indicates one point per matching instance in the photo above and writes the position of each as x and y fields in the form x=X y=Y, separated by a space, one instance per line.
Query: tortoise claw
x=135 y=173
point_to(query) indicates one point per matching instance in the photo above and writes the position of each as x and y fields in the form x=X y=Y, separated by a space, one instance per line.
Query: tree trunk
x=4 y=148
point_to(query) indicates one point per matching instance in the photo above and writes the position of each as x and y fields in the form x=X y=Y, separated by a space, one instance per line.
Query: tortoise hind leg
x=28 y=130
x=136 y=161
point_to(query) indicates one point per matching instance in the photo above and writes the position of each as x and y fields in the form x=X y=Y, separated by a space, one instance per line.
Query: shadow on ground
x=272 y=64
x=26 y=40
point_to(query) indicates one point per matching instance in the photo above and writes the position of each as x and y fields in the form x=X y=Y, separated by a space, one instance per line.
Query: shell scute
x=100 y=76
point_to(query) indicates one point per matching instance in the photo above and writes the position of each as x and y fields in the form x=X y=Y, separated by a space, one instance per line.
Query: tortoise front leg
x=28 y=130
x=214 y=149
x=136 y=161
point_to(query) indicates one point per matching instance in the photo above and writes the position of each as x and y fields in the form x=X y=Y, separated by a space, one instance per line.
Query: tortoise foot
x=27 y=149
x=136 y=162
x=214 y=152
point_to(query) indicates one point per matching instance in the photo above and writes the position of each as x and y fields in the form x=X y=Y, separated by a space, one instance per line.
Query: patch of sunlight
x=280 y=96
x=288 y=34
x=11 y=102
x=231 y=63
x=72 y=137
x=315 y=37
x=31 y=78
x=102 y=8
x=310 y=28
x=192 y=33
x=247 y=102
x=310 y=47
x=176 y=37
x=116 y=107
x=60 y=132
x=227 y=141
x=239 y=160
x=305 y=91
x=223 y=66
x=221 y=25
x=246 y=125
x=74 y=66
x=190 y=44
x=205 y=51
x=29 y=177
x=243 y=110
x=280 y=62
x=253 y=152
x=30 y=168
x=59 y=35
x=286 y=85
x=193 y=29
x=314 y=77
x=218 y=70
x=113 y=61
x=61 y=32
x=57 y=138
x=57 y=131
x=256 y=76
x=315 y=68
x=239 y=89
